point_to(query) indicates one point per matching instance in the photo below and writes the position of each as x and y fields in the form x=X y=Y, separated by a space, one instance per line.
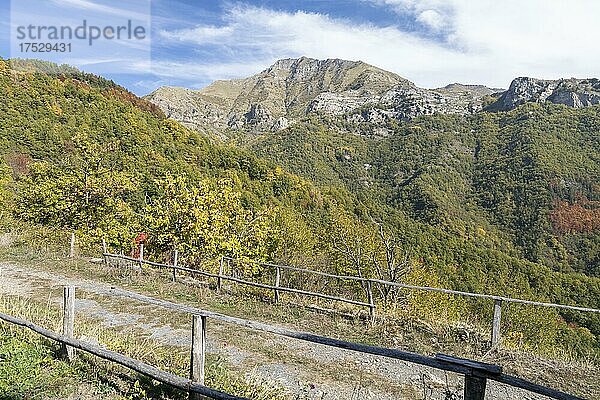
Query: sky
x=430 y=42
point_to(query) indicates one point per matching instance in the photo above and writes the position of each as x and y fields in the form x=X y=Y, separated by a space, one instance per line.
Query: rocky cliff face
x=571 y=92
x=358 y=92
x=291 y=88
x=192 y=109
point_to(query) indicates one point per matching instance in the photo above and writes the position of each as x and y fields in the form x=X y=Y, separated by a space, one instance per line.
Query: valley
x=332 y=165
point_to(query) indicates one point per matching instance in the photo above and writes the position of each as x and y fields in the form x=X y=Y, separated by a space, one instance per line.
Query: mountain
x=292 y=88
x=571 y=92
x=512 y=162
x=503 y=203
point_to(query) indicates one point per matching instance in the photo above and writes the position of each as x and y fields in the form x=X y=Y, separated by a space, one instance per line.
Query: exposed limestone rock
x=571 y=92
x=293 y=88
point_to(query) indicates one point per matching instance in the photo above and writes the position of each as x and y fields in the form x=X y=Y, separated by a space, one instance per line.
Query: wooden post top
x=490 y=368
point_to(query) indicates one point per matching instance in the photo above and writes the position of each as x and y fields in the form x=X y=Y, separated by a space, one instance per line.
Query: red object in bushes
x=139 y=239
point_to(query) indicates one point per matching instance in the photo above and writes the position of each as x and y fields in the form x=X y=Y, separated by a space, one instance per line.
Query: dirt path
x=306 y=370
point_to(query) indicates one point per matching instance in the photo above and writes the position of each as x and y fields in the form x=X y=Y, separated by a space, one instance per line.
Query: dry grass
x=402 y=330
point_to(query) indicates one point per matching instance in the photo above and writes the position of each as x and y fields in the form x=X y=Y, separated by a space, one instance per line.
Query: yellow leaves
x=275 y=173
x=5 y=180
x=207 y=219
x=173 y=128
x=435 y=306
x=55 y=109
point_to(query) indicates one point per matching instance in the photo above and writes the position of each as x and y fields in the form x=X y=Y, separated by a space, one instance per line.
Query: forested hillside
x=498 y=203
x=525 y=182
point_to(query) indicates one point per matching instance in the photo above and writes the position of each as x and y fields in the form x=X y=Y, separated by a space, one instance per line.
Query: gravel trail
x=313 y=372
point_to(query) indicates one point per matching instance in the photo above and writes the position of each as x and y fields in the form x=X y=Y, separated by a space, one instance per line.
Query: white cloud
x=484 y=41
x=434 y=15
x=432 y=19
x=201 y=34
x=202 y=73
x=133 y=11
x=268 y=35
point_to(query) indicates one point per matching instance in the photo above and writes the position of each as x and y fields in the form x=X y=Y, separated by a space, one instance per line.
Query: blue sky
x=431 y=42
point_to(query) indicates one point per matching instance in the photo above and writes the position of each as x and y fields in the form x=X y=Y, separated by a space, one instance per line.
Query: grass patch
x=31 y=369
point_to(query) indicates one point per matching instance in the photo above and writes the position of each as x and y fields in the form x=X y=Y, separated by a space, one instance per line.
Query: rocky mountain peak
x=283 y=92
x=571 y=92
x=354 y=90
x=283 y=64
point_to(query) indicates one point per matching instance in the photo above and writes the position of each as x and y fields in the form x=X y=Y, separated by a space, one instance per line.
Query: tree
x=391 y=262
x=5 y=180
x=206 y=220
x=368 y=250
x=83 y=192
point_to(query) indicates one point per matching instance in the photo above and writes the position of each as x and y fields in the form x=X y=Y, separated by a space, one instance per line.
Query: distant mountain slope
x=502 y=203
x=572 y=92
x=531 y=175
x=292 y=88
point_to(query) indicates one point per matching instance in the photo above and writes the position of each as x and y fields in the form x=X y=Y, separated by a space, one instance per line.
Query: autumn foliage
x=126 y=96
x=582 y=216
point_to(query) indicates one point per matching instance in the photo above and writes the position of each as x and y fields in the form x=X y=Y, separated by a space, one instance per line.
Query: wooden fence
x=368 y=283
x=476 y=374
x=194 y=386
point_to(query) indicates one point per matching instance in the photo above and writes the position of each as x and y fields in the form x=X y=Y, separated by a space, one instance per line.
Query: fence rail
x=193 y=386
x=222 y=277
x=368 y=282
x=425 y=288
x=474 y=371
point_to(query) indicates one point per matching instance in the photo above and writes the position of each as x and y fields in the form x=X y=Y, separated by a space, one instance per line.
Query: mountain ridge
x=571 y=92
x=292 y=88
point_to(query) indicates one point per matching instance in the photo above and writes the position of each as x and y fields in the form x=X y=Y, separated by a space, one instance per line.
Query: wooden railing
x=476 y=374
x=194 y=386
x=369 y=283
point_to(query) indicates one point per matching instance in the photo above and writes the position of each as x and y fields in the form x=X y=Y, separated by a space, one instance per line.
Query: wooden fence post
x=104 y=252
x=219 y=279
x=198 y=356
x=277 y=279
x=68 y=320
x=72 y=248
x=496 y=322
x=141 y=254
x=175 y=257
x=371 y=303
x=474 y=388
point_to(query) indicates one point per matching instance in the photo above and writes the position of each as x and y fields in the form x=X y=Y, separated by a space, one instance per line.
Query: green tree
x=92 y=203
x=5 y=181
x=205 y=220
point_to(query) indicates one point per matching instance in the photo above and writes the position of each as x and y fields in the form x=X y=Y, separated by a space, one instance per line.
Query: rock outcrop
x=571 y=92
x=358 y=92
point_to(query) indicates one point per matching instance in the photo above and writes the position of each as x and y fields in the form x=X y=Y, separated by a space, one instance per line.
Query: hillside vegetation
x=525 y=182
x=481 y=203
